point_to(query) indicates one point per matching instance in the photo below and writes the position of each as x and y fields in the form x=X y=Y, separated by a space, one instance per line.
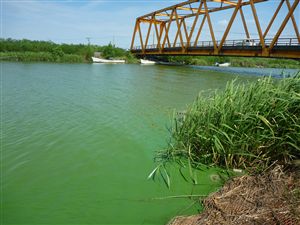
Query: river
x=78 y=141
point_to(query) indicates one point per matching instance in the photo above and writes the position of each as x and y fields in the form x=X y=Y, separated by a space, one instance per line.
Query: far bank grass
x=50 y=57
x=41 y=57
x=47 y=51
x=247 y=126
x=236 y=61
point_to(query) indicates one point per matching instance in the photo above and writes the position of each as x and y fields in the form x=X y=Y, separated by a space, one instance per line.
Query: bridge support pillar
x=265 y=52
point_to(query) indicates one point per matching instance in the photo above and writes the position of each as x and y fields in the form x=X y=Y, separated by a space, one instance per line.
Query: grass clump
x=246 y=126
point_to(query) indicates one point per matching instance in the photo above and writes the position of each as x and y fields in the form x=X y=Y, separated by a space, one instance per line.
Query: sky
x=104 y=21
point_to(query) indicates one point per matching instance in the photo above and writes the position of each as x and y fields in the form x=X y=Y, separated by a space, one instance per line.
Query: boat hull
x=97 y=60
x=147 y=62
x=223 y=64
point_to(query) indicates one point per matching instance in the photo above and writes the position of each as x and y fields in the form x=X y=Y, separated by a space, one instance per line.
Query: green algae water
x=78 y=142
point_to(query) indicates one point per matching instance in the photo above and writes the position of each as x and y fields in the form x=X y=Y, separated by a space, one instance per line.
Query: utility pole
x=89 y=53
x=88 y=39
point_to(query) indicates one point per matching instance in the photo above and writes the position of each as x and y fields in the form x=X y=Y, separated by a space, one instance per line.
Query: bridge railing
x=284 y=42
x=229 y=43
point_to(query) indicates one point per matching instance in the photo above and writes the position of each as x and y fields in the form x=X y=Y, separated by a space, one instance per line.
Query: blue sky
x=72 y=21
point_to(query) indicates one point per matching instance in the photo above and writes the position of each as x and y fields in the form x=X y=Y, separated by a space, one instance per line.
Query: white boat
x=147 y=62
x=223 y=64
x=98 y=60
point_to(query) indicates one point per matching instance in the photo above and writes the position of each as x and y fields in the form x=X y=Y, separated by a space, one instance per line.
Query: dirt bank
x=270 y=198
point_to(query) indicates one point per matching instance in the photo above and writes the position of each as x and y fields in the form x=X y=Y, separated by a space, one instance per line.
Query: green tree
x=108 y=51
x=57 y=53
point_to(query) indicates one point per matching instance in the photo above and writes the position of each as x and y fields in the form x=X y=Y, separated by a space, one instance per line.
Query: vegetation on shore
x=235 y=61
x=47 y=51
x=41 y=57
x=247 y=126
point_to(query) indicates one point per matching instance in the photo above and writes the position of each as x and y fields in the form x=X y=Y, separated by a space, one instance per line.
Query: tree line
x=30 y=50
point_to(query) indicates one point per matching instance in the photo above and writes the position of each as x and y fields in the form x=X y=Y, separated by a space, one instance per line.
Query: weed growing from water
x=246 y=126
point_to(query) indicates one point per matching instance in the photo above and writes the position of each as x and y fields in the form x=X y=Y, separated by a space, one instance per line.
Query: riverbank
x=269 y=198
x=205 y=61
x=250 y=71
x=53 y=58
x=41 y=57
x=235 y=61
x=47 y=51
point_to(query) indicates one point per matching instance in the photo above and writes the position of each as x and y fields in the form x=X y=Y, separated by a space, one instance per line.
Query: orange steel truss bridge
x=185 y=40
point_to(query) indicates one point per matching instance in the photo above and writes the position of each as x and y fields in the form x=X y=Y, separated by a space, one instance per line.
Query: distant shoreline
x=236 y=63
x=48 y=51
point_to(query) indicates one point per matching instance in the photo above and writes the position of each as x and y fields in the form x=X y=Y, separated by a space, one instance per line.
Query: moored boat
x=223 y=64
x=147 y=62
x=98 y=60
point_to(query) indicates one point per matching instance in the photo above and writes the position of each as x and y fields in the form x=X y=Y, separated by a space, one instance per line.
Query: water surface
x=79 y=140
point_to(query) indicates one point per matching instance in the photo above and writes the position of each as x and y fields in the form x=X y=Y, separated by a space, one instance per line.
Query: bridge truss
x=185 y=40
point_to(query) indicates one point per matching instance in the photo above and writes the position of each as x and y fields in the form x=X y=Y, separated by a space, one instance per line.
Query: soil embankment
x=269 y=198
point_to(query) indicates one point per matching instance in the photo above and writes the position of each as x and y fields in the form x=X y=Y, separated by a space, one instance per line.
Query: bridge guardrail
x=229 y=43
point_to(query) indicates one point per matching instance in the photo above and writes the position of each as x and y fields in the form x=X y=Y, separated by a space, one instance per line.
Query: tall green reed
x=246 y=126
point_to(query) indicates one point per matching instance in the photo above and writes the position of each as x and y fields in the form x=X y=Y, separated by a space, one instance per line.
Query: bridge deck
x=284 y=48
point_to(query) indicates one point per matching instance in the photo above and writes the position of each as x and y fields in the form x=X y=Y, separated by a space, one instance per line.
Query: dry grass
x=270 y=198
